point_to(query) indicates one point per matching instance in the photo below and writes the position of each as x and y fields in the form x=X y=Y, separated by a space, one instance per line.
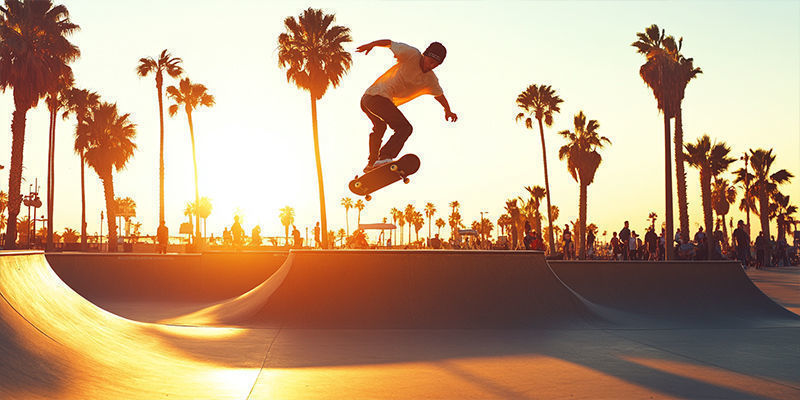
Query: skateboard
x=385 y=175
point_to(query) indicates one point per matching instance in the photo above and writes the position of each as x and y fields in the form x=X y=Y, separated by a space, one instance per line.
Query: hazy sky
x=255 y=150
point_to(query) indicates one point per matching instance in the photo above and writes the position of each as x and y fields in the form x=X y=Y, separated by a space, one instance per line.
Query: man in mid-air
x=410 y=78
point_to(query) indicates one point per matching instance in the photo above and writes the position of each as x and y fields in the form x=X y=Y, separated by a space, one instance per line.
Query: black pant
x=381 y=111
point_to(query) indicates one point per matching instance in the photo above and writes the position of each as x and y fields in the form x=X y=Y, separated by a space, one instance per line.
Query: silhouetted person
x=237 y=232
x=227 y=240
x=255 y=236
x=699 y=236
x=624 y=238
x=316 y=236
x=162 y=234
x=590 y=244
x=528 y=239
x=651 y=243
x=566 y=238
x=616 y=247
x=298 y=241
x=436 y=243
x=410 y=78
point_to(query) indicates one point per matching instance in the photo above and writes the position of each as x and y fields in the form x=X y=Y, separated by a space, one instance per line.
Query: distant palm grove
x=35 y=58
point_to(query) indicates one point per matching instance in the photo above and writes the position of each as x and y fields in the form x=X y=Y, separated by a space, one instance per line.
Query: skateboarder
x=410 y=78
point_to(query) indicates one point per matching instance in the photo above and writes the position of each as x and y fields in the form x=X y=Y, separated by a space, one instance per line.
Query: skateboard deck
x=385 y=175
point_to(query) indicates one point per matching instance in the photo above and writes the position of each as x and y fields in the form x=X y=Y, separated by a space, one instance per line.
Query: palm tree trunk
x=582 y=221
x=322 y=213
x=668 y=191
x=725 y=230
x=196 y=186
x=429 y=228
x=83 y=205
x=680 y=174
x=547 y=189
x=51 y=179
x=347 y=221
x=708 y=217
x=286 y=227
x=15 y=174
x=763 y=210
x=161 y=154
x=111 y=210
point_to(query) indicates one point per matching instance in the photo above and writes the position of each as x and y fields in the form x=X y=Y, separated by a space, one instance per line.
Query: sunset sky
x=255 y=150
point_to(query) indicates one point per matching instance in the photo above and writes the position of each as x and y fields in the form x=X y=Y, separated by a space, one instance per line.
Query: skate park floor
x=57 y=344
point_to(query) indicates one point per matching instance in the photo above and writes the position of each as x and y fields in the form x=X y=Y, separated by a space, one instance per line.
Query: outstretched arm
x=448 y=115
x=365 y=48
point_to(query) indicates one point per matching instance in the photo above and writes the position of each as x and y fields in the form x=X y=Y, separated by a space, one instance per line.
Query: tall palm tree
x=108 y=146
x=172 y=66
x=439 y=225
x=418 y=221
x=430 y=211
x=359 y=205
x=660 y=73
x=540 y=102
x=455 y=222
x=287 y=219
x=190 y=96
x=396 y=215
x=56 y=100
x=347 y=203
x=401 y=221
x=652 y=217
x=765 y=183
x=582 y=162
x=408 y=215
x=711 y=160
x=723 y=194
x=311 y=51
x=685 y=72
x=454 y=208
x=34 y=52
x=79 y=103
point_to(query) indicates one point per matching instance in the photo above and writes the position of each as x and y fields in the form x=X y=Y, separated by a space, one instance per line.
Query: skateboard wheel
x=368 y=197
x=357 y=185
x=393 y=167
x=406 y=180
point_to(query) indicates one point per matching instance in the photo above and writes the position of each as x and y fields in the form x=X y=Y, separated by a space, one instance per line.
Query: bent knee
x=405 y=129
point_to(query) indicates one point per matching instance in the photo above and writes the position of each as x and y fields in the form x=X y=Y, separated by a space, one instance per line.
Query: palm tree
x=723 y=194
x=430 y=211
x=172 y=66
x=513 y=211
x=347 y=203
x=287 y=219
x=70 y=235
x=582 y=162
x=503 y=222
x=107 y=147
x=401 y=220
x=56 y=100
x=765 y=183
x=711 y=160
x=126 y=209
x=454 y=207
x=659 y=72
x=311 y=50
x=204 y=211
x=34 y=52
x=455 y=222
x=190 y=96
x=80 y=102
x=408 y=214
x=537 y=193
x=439 y=225
x=652 y=217
x=359 y=205
x=418 y=221
x=396 y=215
x=540 y=102
x=784 y=212
x=685 y=72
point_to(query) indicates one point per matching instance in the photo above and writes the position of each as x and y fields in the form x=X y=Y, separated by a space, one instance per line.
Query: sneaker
x=382 y=161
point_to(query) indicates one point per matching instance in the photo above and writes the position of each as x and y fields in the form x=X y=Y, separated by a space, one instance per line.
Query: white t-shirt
x=405 y=81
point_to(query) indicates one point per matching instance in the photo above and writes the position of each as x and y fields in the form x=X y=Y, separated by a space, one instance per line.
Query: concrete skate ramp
x=207 y=277
x=409 y=289
x=709 y=293
x=56 y=345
